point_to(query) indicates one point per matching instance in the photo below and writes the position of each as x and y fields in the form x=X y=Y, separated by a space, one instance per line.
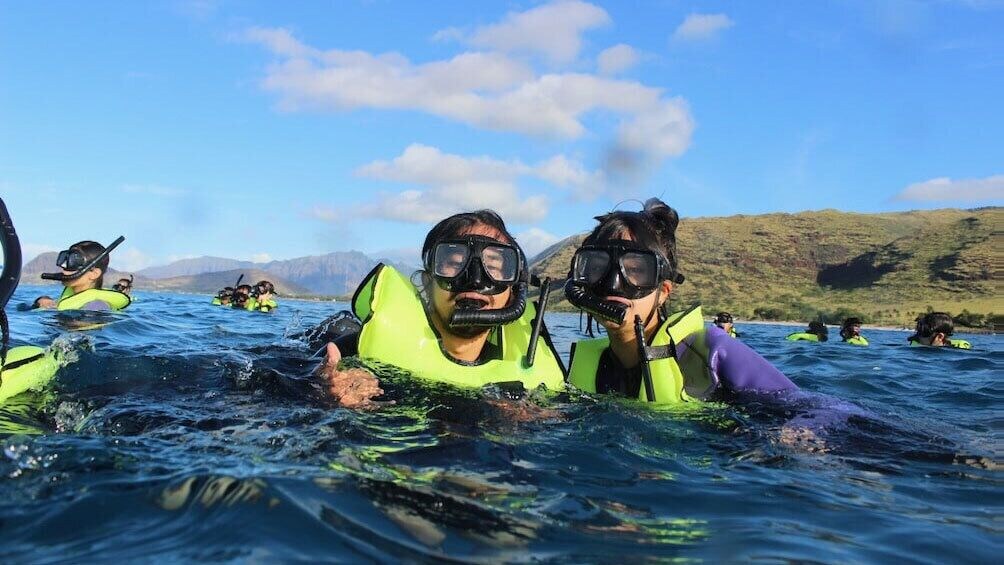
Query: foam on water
x=185 y=431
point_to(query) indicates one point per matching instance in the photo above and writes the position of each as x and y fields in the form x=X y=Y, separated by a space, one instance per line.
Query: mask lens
x=590 y=265
x=639 y=269
x=71 y=260
x=501 y=263
x=450 y=259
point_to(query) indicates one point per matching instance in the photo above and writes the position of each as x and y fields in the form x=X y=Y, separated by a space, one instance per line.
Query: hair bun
x=664 y=215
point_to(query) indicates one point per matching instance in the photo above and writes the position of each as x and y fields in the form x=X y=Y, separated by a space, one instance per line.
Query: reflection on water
x=189 y=432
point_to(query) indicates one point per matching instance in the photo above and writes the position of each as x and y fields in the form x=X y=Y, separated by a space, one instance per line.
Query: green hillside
x=886 y=268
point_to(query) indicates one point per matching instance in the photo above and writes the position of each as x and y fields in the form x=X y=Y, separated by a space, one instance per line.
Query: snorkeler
x=935 y=329
x=466 y=323
x=623 y=275
x=224 y=296
x=124 y=285
x=83 y=268
x=43 y=302
x=242 y=298
x=850 y=331
x=816 y=332
x=264 y=295
x=724 y=320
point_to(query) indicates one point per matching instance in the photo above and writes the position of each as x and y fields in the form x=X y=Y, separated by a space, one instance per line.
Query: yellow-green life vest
x=802 y=336
x=953 y=343
x=673 y=380
x=217 y=302
x=857 y=340
x=733 y=333
x=397 y=331
x=27 y=367
x=266 y=306
x=114 y=299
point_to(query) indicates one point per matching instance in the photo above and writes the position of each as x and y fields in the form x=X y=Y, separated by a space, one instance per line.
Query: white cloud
x=553 y=30
x=154 y=190
x=962 y=190
x=535 y=240
x=261 y=258
x=486 y=90
x=616 y=59
x=128 y=260
x=700 y=27
x=454 y=183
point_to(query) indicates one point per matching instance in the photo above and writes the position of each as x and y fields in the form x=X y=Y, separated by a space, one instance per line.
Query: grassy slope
x=886 y=267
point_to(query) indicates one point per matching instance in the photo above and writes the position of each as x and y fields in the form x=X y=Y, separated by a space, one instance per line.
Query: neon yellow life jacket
x=266 y=306
x=673 y=380
x=802 y=336
x=733 y=333
x=396 y=331
x=114 y=299
x=27 y=367
x=953 y=343
x=217 y=302
x=857 y=340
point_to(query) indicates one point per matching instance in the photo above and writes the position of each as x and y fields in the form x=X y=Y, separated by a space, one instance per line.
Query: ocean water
x=187 y=432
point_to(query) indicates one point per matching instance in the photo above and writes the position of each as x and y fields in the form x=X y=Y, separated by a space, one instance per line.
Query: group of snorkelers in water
x=465 y=318
x=933 y=329
x=257 y=298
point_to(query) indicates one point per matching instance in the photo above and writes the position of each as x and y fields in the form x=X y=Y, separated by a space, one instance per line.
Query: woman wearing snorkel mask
x=623 y=275
x=83 y=267
x=264 y=296
x=466 y=321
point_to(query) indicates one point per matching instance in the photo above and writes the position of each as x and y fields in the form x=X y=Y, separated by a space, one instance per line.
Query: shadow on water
x=188 y=432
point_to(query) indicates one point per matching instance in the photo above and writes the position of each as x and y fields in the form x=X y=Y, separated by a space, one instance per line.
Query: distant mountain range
x=333 y=274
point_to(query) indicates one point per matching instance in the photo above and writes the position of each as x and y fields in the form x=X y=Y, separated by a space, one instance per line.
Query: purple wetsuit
x=737 y=368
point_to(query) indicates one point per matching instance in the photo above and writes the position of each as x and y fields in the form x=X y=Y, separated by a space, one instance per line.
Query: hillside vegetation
x=886 y=268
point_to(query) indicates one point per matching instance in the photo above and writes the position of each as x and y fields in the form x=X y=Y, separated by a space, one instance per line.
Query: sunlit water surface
x=190 y=432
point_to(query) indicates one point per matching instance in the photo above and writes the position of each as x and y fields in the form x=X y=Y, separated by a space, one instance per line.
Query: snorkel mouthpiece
x=87 y=267
x=464 y=316
x=579 y=295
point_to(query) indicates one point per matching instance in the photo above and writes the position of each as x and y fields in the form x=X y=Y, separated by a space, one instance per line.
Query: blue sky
x=254 y=131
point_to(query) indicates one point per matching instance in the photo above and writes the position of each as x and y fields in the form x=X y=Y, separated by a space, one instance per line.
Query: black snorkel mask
x=617 y=268
x=119 y=287
x=479 y=264
x=74 y=260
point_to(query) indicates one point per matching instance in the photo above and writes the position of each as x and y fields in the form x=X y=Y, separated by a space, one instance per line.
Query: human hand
x=353 y=388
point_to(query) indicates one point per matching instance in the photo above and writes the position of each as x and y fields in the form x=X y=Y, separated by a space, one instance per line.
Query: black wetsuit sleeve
x=611 y=376
x=348 y=344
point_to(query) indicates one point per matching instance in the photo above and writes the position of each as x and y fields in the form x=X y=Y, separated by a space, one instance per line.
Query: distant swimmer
x=816 y=332
x=850 y=331
x=623 y=275
x=43 y=302
x=242 y=298
x=935 y=330
x=724 y=320
x=124 y=285
x=83 y=266
x=224 y=296
x=264 y=296
x=465 y=321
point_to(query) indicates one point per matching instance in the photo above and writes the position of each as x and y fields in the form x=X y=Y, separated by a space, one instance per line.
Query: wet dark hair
x=723 y=318
x=653 y=228
x=90 y=250
x=458 y=223
x=37 y=303
x=819 y=328
x=933 y=323
x=847 y=325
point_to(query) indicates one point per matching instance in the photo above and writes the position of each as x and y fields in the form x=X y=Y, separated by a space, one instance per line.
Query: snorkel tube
x=579 y=295
x=9 y=277
x=90 y=264
x=465 y=318
x=646 y=357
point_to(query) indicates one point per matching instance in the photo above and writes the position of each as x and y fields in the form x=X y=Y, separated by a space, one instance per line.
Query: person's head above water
x=934 y=328
x=264 y=289
x=43 y=303
x=242 y=294
x=627 y=266
x=474 y=274
x=724 y=320
x=850 y=328
x=124 y=285
x=819 y=329
x=83 y=265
